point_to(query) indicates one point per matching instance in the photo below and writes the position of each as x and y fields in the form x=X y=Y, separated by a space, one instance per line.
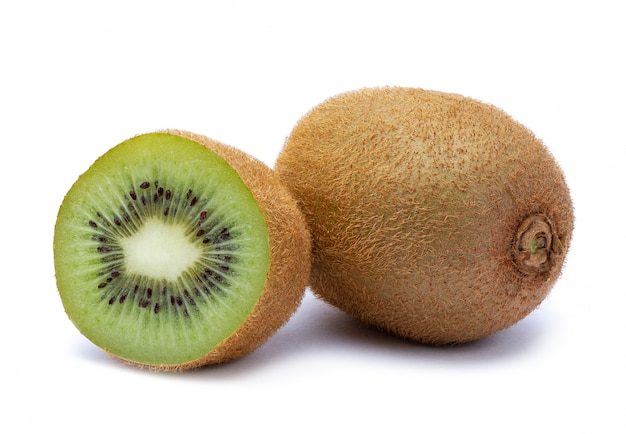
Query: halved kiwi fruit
x=175 y=251
x=433 y=216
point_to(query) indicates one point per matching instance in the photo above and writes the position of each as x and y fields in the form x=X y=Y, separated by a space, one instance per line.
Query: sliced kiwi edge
x=70 y=212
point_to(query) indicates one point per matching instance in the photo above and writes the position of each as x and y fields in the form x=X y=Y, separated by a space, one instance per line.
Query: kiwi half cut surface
x=433 y=216
x=175 y=251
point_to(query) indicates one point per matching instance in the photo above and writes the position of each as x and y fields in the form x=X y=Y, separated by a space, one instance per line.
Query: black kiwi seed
x=225 y=235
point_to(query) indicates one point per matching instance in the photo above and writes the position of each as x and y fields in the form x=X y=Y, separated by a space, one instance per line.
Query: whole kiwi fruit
x=174 y=251
x=433 y=216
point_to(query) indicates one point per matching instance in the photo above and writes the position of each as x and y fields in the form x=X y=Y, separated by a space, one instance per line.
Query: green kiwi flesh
x=433 y=216
x=161 y=251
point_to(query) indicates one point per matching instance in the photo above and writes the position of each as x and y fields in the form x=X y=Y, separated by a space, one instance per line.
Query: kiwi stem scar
x=160 y=250
x=534 y=244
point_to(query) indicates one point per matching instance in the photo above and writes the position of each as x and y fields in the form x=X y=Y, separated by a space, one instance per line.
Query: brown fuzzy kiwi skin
x=290 y=260
x=422 y=207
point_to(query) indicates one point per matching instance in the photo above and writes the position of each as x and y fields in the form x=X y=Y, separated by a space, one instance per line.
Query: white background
x=78 y=77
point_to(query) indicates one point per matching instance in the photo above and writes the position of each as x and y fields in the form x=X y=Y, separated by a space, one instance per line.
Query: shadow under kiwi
x=508 y=343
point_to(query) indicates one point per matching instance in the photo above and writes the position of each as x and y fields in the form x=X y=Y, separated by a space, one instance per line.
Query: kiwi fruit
x=433 y=216
x=174 y=251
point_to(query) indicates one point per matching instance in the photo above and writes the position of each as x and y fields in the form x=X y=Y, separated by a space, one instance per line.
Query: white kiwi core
x=160 y=250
